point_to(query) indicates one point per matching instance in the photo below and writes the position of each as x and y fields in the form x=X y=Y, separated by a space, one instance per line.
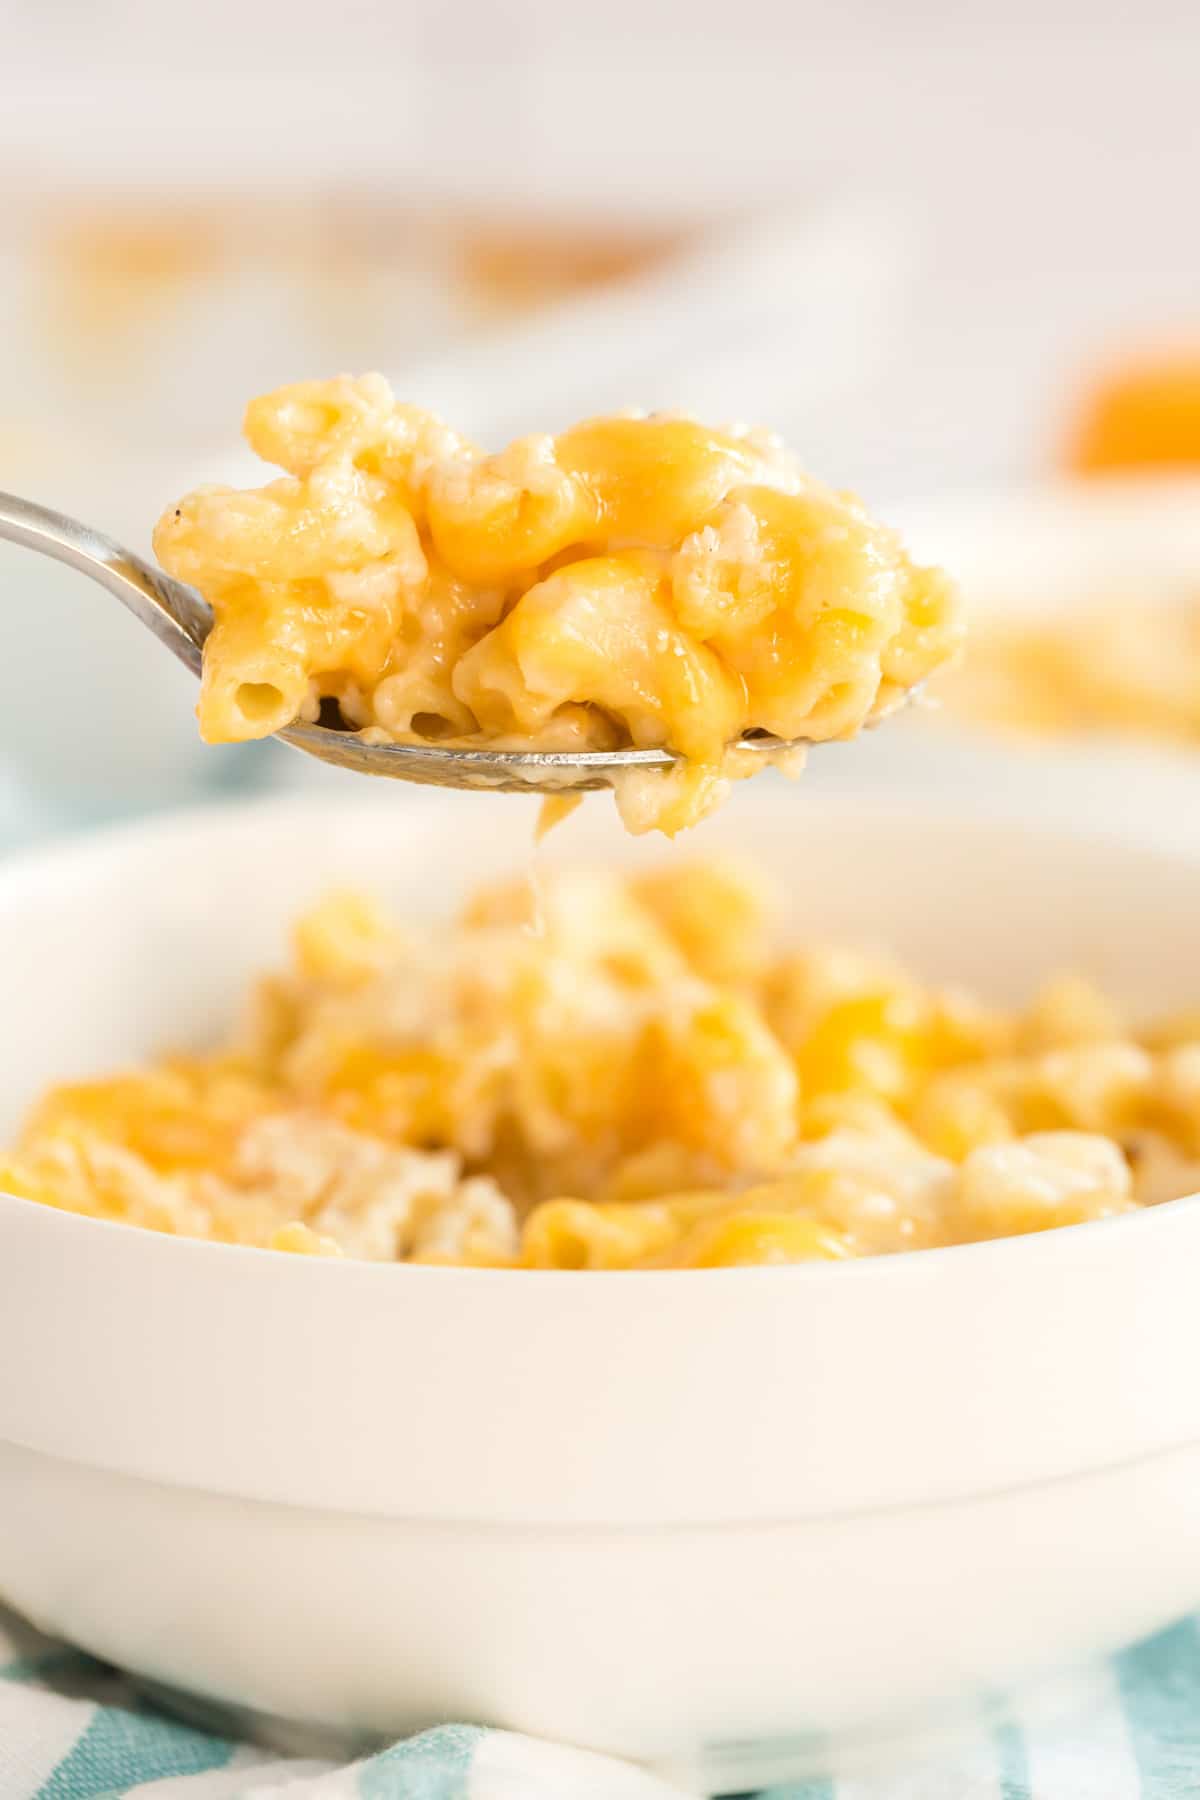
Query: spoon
x=181 y=620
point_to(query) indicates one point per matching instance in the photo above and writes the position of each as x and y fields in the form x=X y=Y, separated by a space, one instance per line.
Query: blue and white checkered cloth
x=73 y=1729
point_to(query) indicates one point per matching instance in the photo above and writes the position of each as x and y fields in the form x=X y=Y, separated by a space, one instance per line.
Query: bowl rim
x=1068 y=508
x=37 y=862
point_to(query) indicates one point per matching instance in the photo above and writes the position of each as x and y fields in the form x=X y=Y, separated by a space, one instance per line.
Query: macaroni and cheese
x=629 y=1075
x=1142 y=415
x=636 y=581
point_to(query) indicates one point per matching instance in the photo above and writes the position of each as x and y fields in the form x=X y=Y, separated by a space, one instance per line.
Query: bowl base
x=948 y=1740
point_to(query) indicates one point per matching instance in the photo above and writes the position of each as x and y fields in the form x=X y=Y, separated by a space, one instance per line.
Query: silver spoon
x=181 y=620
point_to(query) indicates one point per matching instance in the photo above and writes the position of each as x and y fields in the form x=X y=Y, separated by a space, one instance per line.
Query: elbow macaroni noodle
x=635 y=581
x=634 y=1077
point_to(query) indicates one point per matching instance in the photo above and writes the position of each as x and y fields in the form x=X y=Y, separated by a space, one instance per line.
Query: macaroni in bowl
x=635 y=582
x=1106 y=667
x=629 y=1074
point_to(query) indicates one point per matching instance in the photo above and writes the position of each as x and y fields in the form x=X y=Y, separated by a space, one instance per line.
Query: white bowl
x=1059 y=546
x=719 y=1521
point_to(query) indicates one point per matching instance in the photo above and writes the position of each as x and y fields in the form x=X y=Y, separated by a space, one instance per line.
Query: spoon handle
x=177 y=616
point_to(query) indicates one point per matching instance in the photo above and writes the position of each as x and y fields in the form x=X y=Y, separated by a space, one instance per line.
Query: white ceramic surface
x=715 y=1520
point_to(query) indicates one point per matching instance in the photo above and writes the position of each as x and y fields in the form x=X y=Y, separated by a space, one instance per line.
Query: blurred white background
x=901 y=231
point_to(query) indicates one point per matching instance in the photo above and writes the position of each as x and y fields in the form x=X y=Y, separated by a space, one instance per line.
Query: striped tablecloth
x=73 y=1729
